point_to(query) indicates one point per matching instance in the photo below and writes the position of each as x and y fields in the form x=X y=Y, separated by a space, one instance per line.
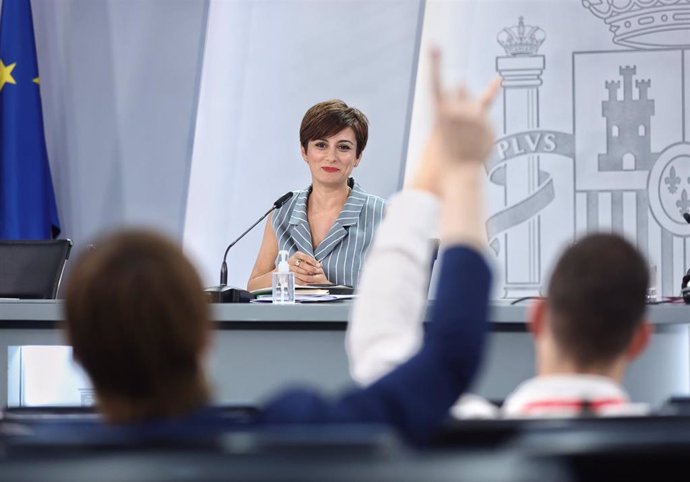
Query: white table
x=259 y=348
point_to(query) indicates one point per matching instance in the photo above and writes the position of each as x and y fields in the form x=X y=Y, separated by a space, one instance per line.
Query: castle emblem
x=628 y=120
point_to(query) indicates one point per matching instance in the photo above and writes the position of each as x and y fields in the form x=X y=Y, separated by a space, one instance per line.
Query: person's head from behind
x=138 y=323
x=592 y=320
x=333 y=136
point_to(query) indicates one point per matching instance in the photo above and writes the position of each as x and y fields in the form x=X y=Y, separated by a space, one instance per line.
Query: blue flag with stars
x=27 y=200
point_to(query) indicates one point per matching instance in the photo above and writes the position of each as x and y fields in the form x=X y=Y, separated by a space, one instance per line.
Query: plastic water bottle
x=651 y=289
x=283 y=281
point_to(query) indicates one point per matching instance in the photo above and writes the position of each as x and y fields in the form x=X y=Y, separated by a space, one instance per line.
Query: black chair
x=478 y=433
x=626 y=449
x=301 y=453
x=32 y=269
x=676 y=405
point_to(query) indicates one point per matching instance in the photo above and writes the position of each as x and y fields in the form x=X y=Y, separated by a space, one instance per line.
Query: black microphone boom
x=224 y=294
x=684 y=284
x=224 y=267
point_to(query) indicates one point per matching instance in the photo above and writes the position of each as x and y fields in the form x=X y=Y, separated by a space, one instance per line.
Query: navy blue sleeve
x=414 y=398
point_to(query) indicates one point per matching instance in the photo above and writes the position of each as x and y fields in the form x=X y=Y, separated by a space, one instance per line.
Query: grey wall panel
x=119 y=86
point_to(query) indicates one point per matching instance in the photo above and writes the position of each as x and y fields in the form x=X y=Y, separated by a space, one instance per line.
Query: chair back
x=32 y=269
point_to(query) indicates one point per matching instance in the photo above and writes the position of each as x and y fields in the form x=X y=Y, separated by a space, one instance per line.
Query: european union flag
x=27 y=200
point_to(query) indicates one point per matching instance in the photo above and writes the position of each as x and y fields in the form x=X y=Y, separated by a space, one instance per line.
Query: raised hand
x=461 y=131
x=462 y=122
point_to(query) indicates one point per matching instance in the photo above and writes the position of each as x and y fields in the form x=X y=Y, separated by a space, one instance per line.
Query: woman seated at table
x=328 y=227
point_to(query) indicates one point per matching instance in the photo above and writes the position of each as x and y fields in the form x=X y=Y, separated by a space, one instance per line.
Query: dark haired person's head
x=595 y=305
x=327 y=118
x=138 y=323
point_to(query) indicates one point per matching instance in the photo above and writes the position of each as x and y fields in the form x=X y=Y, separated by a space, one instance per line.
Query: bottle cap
x=283 y=266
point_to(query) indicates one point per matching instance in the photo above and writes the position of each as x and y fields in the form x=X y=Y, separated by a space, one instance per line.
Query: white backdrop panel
x=591 y=125
x=265 y=64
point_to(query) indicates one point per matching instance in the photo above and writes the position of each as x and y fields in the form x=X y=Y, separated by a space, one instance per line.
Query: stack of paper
x=309 y=293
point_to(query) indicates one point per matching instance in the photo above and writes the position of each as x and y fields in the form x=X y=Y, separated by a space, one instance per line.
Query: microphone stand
x=224 y=266
x=227 y=294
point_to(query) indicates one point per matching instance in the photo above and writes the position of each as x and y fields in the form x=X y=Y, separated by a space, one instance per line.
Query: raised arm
x=416 y=396
x=386 y=325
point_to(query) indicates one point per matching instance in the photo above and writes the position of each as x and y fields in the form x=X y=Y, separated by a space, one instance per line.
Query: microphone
x=225 y=294
x=684 y=288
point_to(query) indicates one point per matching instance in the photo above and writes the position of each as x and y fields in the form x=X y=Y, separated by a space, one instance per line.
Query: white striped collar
x=348 y=216
x=566 y=394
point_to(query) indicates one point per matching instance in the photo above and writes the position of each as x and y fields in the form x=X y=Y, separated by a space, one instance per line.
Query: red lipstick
x=330 y=169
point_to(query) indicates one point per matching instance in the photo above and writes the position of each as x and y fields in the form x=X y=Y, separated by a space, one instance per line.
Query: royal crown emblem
x=645 y=24
x=521 y=39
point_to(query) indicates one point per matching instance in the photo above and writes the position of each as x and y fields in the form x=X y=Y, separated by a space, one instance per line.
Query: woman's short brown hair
x=138 y=323
x=330 y=117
